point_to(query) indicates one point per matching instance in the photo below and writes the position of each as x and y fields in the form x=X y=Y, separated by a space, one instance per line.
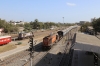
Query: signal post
x=31 y=49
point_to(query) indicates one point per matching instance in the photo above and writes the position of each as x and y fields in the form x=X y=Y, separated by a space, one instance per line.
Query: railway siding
x=11 y=52
x=51 y=58
x=6 y=54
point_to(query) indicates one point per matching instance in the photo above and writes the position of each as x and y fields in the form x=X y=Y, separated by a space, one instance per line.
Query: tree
x=46 y=25
x=20 y=25
x=96 y=25
x=27 y=27
x=83 y=28
x=35 y=24
x=8 y=27
x=41 y=25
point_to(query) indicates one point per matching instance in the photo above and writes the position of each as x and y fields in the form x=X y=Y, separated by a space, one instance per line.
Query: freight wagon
x=5 y=40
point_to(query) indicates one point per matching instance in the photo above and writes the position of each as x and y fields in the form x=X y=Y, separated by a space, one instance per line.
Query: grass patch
x=18 y=43
x=21 y=43
x=7 y=47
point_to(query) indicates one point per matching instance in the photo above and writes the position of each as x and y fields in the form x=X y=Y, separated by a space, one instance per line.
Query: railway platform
x=84 y=43
x=80 y=58
x=87 y=43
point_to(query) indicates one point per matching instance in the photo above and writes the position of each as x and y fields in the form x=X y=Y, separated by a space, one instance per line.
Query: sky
x=49 y=10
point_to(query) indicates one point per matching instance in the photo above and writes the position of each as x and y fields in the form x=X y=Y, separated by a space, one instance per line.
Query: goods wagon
x=5 y=40
x=48 y=41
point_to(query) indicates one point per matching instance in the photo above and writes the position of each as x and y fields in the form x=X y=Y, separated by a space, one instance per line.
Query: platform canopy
x=87 y=43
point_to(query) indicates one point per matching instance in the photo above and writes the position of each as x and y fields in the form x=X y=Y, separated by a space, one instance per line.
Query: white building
x=83 y=22
x=15 y=23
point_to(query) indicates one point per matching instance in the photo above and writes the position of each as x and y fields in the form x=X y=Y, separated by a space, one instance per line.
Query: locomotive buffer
x=31 y=49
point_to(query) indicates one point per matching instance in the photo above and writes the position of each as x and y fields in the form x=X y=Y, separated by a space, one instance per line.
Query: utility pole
x=63 y=19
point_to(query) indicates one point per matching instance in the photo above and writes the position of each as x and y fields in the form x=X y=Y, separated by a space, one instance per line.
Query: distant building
x=77 y=23
x=82 y=22
x=15 y=23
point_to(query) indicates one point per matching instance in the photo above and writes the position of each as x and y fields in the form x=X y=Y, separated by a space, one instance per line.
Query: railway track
x=67 y=57
x=10 y=59
x=16 y=60
x=13 y=59
x=39 y=55
x=20 y=56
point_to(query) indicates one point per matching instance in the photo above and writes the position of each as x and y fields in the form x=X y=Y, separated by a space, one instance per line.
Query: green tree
x=35 y=24
x=19 y=25
x=96 y=25
x=85 y=26
x=41 y=25
x=46 y=25
x=8 y=27
x=27 y=27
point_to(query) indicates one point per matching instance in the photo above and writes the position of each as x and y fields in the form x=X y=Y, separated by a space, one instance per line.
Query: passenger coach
x=5 y=40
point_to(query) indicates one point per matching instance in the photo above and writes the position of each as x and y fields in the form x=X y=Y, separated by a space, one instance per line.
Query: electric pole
x=63 y=19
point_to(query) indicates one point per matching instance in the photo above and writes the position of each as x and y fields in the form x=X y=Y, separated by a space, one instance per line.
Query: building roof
x=4 y=37
x=90 y=27
x=87 y=43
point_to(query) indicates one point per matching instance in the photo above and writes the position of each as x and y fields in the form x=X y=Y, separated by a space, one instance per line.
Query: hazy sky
x=49 y=10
